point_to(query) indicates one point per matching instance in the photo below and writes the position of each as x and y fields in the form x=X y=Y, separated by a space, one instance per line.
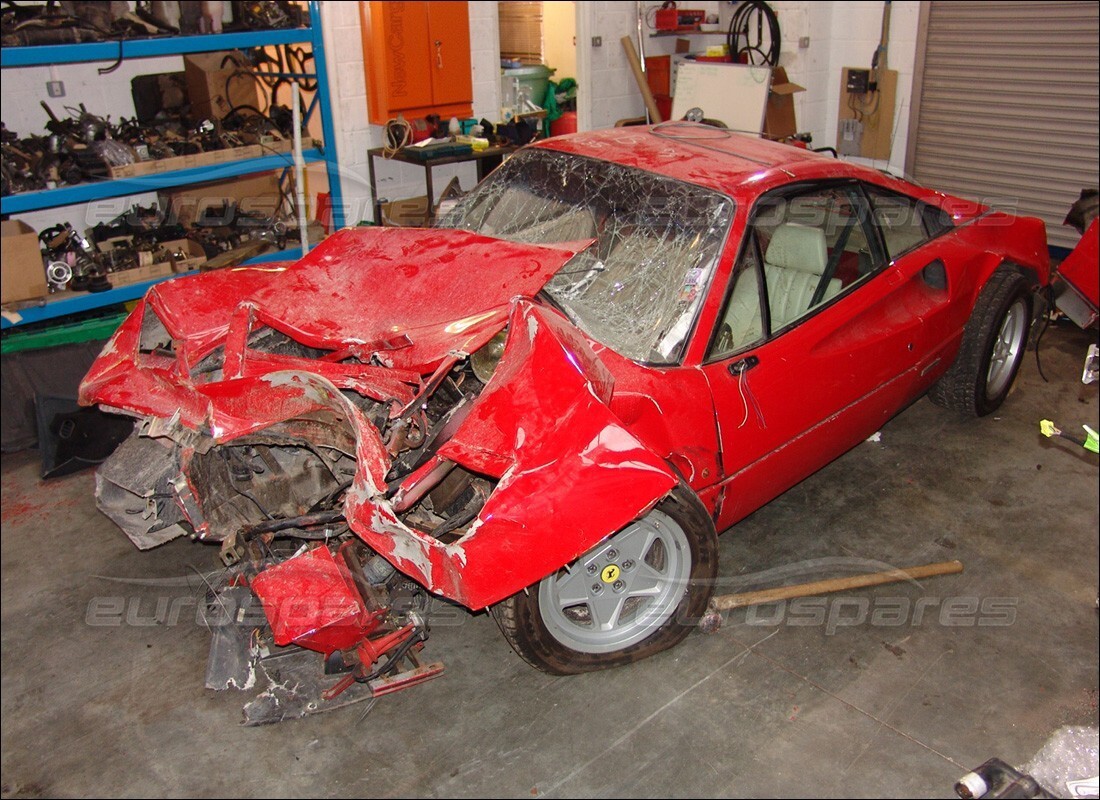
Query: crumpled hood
x=410 y=295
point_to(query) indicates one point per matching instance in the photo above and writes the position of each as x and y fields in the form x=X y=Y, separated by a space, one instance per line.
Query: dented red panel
x=195 y=309
x=1079 y=269
x=446 y=290
x=311 y=600
x=458 y=300
x=571 y=474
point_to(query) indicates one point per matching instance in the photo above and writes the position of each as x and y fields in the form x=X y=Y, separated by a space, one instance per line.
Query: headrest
x=798 y=247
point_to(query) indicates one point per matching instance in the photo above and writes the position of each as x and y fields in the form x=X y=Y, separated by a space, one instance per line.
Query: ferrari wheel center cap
x=610 y=573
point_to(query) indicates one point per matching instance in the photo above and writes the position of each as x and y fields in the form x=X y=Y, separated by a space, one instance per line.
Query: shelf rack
x=45 y=55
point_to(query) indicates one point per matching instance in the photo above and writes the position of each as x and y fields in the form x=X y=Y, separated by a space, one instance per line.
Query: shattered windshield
x=638 y=288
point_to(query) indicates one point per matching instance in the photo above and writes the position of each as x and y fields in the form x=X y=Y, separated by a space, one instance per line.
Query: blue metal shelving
x=45 y=55
x=78 y=302
x=64 y=305
x=119 y=187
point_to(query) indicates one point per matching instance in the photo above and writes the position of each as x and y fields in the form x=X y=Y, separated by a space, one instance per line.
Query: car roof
x=732 y=162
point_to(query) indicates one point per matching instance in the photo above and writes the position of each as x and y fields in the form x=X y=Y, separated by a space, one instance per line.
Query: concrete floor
x=854 y=695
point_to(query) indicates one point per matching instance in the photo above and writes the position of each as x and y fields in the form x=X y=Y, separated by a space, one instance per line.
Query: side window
x=741 y=323
x=936 y=221
x=815 y=246
x=900 y=220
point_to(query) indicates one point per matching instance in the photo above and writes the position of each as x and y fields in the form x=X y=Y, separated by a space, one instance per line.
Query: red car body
x=576 y=439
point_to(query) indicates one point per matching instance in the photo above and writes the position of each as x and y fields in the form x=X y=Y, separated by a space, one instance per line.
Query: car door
x=819 y=342
x=924 y=262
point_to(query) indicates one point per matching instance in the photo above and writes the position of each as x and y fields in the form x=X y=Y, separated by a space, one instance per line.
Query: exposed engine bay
x=346 y=478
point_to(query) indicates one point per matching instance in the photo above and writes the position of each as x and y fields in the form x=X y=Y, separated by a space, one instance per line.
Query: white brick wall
x=485 y=57
x=853 y=35
x=841 y=34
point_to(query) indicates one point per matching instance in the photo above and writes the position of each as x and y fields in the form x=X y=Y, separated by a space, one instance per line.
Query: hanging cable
x=746 y=37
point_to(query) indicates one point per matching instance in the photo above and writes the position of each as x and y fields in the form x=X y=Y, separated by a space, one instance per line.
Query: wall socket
x=850 y=141
x=597 y=41
x=55 y=88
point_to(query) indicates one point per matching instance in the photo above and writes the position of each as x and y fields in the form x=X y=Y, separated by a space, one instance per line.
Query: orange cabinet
x=417 y=59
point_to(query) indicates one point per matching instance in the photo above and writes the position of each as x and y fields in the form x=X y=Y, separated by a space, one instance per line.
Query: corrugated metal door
x=1006 y=105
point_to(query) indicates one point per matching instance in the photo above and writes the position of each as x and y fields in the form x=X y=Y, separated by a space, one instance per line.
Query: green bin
x=535 y=79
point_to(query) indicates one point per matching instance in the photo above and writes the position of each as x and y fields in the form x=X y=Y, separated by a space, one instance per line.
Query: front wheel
x=636 y=593
x=992 y=349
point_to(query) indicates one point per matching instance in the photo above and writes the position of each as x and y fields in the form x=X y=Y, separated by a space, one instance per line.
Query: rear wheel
x=992 y=349
x=636 y=593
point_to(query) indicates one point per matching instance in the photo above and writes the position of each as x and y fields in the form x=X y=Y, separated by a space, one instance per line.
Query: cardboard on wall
x=214 y=91
x=779 y=117
x=254 y=194
x=22 y=273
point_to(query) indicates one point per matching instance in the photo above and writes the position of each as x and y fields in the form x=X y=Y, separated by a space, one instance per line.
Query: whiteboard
x=736 y=94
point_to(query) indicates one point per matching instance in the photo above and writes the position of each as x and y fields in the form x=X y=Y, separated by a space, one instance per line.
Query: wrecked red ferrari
x=617 y=345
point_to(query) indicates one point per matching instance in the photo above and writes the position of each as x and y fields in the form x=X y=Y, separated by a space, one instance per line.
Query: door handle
x=439 y=53
x=742 y=365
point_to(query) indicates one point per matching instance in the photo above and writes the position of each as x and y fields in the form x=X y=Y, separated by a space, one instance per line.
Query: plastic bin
x=534 y=79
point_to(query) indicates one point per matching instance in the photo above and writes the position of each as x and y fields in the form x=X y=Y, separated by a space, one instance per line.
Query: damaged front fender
x=567 y=471
x=570 y=473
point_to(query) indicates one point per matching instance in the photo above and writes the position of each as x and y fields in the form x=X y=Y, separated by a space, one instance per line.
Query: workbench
x=486 y=161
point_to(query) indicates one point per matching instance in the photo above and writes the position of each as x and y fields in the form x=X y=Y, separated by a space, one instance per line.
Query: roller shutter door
x=1007 y=109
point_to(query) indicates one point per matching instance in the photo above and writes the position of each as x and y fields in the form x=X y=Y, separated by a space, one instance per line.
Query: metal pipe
x=299 y=168
x=729 y=601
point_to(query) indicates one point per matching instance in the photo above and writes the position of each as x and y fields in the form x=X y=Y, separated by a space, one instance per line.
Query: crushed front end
x=350 y=455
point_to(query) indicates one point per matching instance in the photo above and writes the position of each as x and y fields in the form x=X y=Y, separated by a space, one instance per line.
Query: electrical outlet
x=597 y=41
x=803 y=42
x=55 y=88
x=850 y=141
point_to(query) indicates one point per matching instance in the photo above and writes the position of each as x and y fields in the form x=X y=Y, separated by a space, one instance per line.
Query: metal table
x=486 y=160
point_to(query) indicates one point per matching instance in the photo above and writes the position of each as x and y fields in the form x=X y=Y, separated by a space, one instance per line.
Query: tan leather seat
x=793 y=264
x=793 y=267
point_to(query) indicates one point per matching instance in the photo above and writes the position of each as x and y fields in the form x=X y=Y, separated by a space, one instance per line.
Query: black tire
x=559 y=641
x=992 y=349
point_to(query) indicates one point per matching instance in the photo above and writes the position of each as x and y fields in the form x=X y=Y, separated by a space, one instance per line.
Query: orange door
x=396 y=54
x=449 y=38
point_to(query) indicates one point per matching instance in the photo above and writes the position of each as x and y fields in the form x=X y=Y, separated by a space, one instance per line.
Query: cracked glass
x=638 y=287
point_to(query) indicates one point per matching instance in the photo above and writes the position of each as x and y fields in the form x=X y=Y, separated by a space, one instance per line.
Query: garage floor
x=892 y=691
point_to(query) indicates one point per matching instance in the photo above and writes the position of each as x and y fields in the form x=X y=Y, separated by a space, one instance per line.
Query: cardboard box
x=207 y=159
x=193 y=256
x=256 y=194
x=411 y=212
x=779 y=117
x=212 y=89
x=22 y=273
x=127 y=277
